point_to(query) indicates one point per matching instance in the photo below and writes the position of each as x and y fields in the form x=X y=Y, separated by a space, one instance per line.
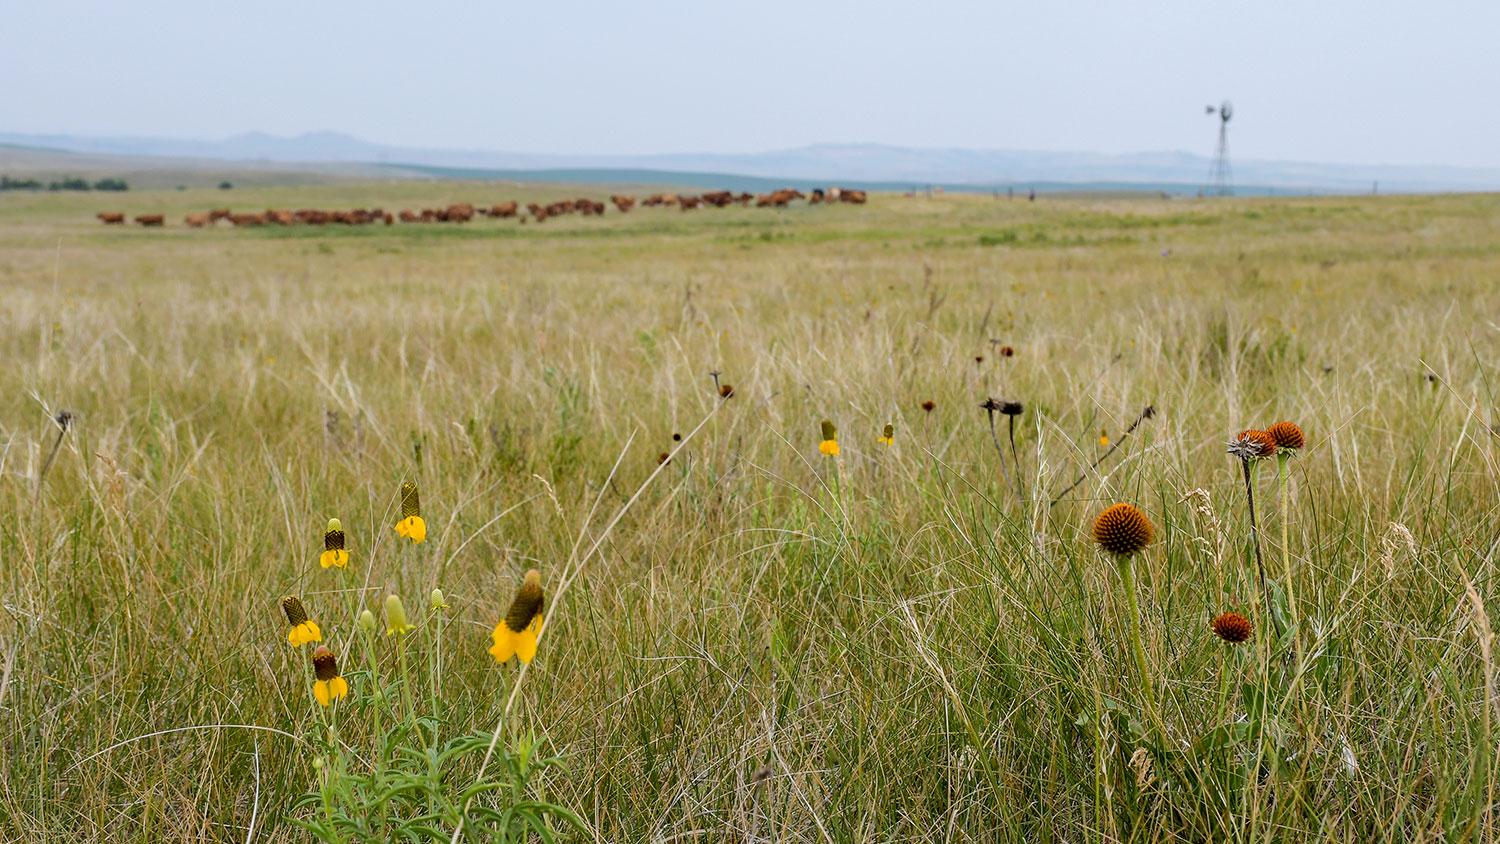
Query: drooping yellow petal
x=526 y=640
x=338 y=688
x=320 y=691
x=413 y=528
x=505 y=644
x=334 y=558
x=303 y=633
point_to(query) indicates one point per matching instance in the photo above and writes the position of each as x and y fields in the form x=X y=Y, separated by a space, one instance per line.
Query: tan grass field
x=756 y=642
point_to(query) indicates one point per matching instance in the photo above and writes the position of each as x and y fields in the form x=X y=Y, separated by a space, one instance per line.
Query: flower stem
x=1283 y=473
x=1126 y=567
x=1260 y=567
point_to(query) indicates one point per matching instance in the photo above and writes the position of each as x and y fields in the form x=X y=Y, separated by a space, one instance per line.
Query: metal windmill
x=1221 y=178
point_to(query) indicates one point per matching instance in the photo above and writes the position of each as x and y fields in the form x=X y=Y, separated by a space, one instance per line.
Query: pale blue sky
x=1355 y=82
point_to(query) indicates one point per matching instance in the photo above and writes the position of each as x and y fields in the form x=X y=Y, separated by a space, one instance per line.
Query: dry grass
x=765 y=647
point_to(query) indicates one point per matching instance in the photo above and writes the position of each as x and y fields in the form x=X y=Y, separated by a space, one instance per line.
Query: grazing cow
x=718 y=198
x=195 y=221
x=246 y=219
x=389 y=219
x=688 y=203
x=857 y=197
x=218 y=214
x=408 y=216
x=652 y=201
x=763 y=200
x=504 y=210
x=816 y=197
x=112 y=218
x=624 y=203
x=151 y=219
x=669 y=199
x=278 y=216
x=835 y=194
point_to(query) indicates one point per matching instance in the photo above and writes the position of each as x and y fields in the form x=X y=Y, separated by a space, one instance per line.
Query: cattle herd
x=463 y=212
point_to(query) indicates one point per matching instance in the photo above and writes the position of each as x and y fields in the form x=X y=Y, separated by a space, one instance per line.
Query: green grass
x=769 y=644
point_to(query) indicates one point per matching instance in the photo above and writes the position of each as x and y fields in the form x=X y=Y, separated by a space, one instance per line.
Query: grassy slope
x=742 y=618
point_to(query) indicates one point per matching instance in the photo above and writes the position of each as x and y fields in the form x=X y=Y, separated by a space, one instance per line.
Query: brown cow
x=688 y=203
x=624 y=203
x=151 y=219
x=246 y=219
x=504 y=210
x=218 y=214
x=408 y=216
x=196 y=221
x=111 y=218
x=857 y=197
x=389 y=219
x=279 y=217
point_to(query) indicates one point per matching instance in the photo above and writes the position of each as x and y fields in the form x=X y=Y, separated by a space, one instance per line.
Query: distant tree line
x=69 y=183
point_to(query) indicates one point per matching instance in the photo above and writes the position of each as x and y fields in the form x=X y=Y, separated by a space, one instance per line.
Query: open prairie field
x=747 y=638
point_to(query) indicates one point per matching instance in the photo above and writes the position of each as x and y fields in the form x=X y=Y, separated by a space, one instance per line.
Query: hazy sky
x=1345 y=81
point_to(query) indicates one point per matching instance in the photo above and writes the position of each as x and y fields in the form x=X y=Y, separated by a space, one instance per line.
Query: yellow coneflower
x=333 y=546
x=329 y=686
x=1103 y=439
x=411 y=525
x=300 y=629
x=1232 y=628
x=395 y=617
x=830 y=443
x=1122 y=530
x=889 y=437
x=516 y=634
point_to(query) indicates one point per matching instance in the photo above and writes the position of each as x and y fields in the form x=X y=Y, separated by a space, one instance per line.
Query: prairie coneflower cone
x=830 y=443
x=333 y=546
x=329 y=686
x=1287 y=435
x=1007 y=351
x=726 y=391
x=888 y=436
x=929 y=405
x=1122 y=529
x=516 y=633
x=300 y=629
x=411 y=525
x=1232 y=628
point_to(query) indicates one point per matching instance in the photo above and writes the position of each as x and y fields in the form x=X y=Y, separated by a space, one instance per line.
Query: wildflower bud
x=438 y=600
x=317 y=763
x=395 y=617
x=367 y=621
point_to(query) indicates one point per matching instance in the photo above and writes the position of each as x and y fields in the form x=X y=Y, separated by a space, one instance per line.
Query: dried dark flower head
x=528 y=602
x=830 y=431
x=1232 y=628
x=1011 y=407
x=1287 y=435
x=979 y=358
x=1007 y=351
x=411 y=503
x=663 y=458
x=1252 y=444
x=990 y=404
x=325 y=664
x=1122 y=529
x=726 y=391
x=295 y=614
x=929 y=405
x=64 y=419
x=676 y=438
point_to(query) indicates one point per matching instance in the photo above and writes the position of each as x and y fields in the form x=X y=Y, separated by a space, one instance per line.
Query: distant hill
x=869 y=165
